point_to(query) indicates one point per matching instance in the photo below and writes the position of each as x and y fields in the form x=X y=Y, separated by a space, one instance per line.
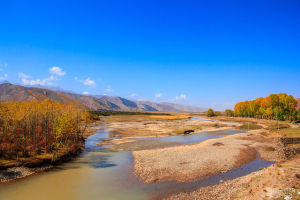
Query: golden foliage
x=275 y=106
x=33 y=127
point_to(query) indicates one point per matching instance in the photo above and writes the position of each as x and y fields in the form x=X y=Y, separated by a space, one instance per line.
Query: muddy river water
x=99 y=173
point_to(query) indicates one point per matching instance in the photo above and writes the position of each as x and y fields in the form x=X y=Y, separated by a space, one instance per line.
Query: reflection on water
x=101 y=161
x=99 y=173
x=196 y=137
x=188 y=139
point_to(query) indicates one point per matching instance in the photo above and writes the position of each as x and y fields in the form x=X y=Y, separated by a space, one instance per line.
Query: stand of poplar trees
x=34 y=127
x=275 y=106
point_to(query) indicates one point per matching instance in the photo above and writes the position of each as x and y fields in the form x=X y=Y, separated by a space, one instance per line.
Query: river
x=99 y=173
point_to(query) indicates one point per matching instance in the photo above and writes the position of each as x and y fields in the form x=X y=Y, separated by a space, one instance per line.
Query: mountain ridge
x=10 y=91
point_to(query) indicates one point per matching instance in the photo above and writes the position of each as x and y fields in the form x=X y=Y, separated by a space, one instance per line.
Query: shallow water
x=99 y=173
x=195 y=138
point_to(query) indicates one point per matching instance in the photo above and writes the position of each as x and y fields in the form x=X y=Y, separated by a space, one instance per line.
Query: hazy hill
x=20 y=93
x=121 y=103
x=171 y=107
x=9 y=92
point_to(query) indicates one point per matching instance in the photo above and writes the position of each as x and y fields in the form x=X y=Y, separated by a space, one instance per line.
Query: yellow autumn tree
x=34 y=127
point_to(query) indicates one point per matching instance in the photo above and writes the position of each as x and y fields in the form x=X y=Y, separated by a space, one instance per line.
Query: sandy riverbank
x=22 y=169
x=162 y=128
x=279 y=181
x=133 y=139
x=193 y=162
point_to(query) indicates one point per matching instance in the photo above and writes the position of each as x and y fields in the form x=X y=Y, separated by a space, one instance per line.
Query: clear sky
x=204 y=53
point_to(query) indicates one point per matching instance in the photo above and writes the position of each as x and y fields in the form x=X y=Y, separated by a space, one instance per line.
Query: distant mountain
x=4 y=81
x=123 y=104
x=9 y=92
x=92 y=102
x=183 y=107
x=170 y=107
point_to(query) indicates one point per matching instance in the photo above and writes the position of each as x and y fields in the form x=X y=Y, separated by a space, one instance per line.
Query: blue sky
x=204 y=53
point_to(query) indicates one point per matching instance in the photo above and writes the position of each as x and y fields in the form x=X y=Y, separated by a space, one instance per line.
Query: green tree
x=210 y=113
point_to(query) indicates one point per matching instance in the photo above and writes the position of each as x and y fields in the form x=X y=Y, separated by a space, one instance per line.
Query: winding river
x=99 y=173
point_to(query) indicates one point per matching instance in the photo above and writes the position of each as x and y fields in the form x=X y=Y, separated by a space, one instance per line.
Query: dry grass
x=250 y=126
x=4 y=163
x=271 y=128
x=173 y=126
x=196 y=128
x=130 y=132
x=161 y=117
x=142 y=118
x=21 y=161
x=290 y=132
x=274 y=126
x=270 y=124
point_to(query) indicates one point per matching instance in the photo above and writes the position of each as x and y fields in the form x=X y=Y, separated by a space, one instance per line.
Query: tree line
x=34 y=127
x=275 y=106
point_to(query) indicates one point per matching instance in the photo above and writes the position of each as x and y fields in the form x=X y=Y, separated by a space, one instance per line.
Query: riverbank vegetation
x=33 y=128
x=143 y=118
x=281 y=107
x=275 y=106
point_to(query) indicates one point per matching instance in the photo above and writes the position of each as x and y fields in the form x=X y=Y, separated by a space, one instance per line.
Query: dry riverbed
x=279 y=181
x=155 y=161
x=185 y=163
x=193 y=162
x=130 y=130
